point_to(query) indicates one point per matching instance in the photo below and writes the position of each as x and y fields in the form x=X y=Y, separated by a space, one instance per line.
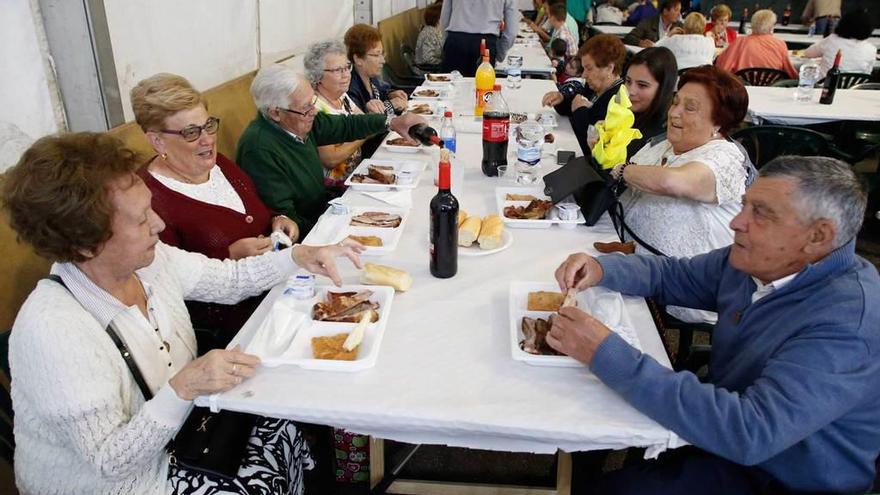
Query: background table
x=777 y=105
x=798 y=39
x=445 y=374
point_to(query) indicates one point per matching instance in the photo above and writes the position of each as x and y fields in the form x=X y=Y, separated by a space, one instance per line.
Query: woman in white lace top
x=82 y=424
x=684 y=190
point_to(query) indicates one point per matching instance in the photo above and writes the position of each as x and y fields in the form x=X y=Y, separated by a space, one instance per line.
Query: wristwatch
x=388 y=119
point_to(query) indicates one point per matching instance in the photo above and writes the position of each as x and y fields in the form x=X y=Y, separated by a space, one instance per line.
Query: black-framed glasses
x=298 y=112
x=340 y=70
x=192 y=132
x=377 y=55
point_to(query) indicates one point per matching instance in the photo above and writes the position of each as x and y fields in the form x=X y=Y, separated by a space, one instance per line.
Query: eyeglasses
x=192 y=132
x=340 y=70
x=377 y=55
x=305 y=113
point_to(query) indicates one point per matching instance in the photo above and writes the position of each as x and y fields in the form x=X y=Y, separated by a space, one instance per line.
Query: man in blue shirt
x=794 y=378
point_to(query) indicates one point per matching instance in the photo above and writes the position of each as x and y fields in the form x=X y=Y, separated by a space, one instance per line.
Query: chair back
x=868 y=85
x=785 y=83
x=760 y=76
x=766 y=142
x=849 y=79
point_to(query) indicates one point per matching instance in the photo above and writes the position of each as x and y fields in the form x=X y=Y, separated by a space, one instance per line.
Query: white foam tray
x=502 y=192
x=330 y=229
x=603 y=304
x=413 y=167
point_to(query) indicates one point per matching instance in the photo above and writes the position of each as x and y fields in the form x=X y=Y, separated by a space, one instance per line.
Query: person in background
x=790 y=401
x=429 y=44
x=546 y=31
x=759 y=49
x=639 y=11
x=279 y=148
x=82 y=424
x=602 y=58
x=467 y=22
x=557 y=60
x=573 y=70
x=329 y=71
x=208 y=204
x=367 y=89
x=684 y=190
x=850 y=37
x=824 y=13
x=718 y=29
x=582 y=12
x=650 y=30
x=540 y=12
x=610 y=12
x=561 y=31
x=691 y=48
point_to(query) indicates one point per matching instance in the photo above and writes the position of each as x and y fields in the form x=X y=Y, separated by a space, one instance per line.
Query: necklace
x=167 y=166
x=154 y=321
x=335 y=103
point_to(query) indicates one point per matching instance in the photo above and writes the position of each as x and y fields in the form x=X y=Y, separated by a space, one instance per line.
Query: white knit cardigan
x=81 y=424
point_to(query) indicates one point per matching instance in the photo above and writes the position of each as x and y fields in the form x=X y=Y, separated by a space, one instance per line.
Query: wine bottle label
x=495 y=130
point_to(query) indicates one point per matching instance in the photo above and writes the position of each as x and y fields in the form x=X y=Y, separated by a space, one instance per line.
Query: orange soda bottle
x=484 y=82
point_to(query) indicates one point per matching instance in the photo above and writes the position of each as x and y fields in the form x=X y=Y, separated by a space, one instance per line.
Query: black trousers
x=686 y=471
x=461 y=51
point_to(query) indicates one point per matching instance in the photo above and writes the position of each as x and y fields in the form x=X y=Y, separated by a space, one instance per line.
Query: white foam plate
x=399 y=149
x=430 y=104
x=603 y=304
x=501 y=193
x=300 y=351
x=429 y=82
x=443 y=91
x=413 y=168
x=474 y=249
x=330 y=229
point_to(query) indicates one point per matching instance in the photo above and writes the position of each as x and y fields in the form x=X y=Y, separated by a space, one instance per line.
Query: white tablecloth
x=444 y=373
x=615 y=30
x=777 y=105
x=803 y=39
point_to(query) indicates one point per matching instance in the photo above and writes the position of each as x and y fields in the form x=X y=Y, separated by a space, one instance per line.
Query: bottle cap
x=497 y=87
x=447 y=114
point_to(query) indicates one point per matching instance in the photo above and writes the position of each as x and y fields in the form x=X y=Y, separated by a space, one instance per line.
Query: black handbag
x=211 y=443
x=593 y=189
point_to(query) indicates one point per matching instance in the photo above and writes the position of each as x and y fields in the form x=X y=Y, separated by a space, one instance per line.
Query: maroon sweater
x=209 y=229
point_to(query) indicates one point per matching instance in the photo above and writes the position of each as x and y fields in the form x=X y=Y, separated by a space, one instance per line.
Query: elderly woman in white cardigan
x=81 y=423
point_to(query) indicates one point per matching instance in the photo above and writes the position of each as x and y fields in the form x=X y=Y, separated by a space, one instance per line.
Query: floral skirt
x=273 y=463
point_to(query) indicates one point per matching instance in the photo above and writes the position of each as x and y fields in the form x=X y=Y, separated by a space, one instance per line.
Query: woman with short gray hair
x=329 y=72
x=759 y=49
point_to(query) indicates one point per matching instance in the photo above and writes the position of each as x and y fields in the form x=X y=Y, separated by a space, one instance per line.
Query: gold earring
x=164 y=156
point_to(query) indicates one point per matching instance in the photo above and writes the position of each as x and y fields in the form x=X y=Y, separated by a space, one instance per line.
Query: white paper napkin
x=402 y=198
x=277 y=330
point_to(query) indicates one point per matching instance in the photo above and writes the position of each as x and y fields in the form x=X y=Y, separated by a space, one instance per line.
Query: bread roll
x=374 y=274
x=469 y=231
x=490 y=232
x=462 y=215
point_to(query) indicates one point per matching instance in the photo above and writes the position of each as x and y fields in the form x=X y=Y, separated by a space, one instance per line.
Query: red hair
x=730 y=100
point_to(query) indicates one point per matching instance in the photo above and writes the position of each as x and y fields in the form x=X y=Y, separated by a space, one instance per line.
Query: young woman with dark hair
x=850 y=37
x=650 y=81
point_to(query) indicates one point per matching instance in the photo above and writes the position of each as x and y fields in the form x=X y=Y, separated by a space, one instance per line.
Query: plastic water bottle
x=514 y=71
x=301 y=288
x=447 y=132
x=529 y=140
x=812 y=31
x=807 y=78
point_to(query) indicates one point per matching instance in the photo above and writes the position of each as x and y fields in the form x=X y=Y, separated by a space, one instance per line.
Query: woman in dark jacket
x=650 y=81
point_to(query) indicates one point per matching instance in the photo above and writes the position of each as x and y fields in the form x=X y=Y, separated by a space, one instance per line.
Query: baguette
x=469 y=231
x=490 y=232
x=374 y=274
x=462 y=215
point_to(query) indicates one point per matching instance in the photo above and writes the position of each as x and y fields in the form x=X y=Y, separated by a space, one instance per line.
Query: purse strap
x=123 y=350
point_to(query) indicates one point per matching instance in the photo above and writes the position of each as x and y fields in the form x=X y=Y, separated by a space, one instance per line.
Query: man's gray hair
x=313 y=60
x=272 y=87
x=763 y=21
x=826 y=188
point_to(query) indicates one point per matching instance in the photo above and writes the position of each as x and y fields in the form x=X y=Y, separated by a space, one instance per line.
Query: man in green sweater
x=279 y=148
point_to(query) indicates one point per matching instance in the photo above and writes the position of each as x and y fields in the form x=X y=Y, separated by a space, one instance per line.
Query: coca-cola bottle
x=496 y=124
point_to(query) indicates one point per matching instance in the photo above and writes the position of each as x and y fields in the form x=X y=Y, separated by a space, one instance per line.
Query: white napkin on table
x=402 y=198
x=274 y=335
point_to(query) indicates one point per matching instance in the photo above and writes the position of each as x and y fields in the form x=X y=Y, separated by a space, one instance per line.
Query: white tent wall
x=28 y=95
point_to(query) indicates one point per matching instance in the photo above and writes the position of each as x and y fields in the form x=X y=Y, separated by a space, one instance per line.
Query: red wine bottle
x=742 y=22
x=786 y=15
x=832 y=79
x=444 y=224
x=424 y=134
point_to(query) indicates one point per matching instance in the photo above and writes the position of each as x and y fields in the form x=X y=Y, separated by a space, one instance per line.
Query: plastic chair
x=760 y=76
x=848 y=80
x=785 y=83
x=868 y=86
x=766 y=142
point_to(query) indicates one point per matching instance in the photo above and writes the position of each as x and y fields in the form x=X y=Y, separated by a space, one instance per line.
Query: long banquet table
x=444 y=374
x=777 y=105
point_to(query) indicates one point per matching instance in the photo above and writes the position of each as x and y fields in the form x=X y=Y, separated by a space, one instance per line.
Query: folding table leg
x=379 y=481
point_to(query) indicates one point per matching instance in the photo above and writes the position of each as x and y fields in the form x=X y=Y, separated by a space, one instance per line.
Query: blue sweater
x=795 y=377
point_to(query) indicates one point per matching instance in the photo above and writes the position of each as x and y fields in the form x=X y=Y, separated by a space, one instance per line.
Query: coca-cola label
x=495 y=130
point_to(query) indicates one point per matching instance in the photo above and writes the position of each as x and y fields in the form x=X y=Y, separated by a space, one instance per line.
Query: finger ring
x=234 y=366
